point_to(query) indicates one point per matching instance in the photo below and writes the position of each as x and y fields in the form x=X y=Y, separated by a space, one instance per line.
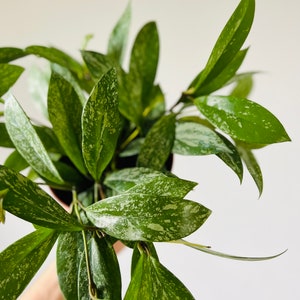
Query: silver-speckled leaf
x=8 y=76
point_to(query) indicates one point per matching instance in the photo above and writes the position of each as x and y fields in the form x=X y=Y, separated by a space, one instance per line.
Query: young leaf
x=196 y=139
x=119 y=36
x=8 y=76
x=101 y=125
x=147 y=217
x=151 y=280
x=66 y=123
x=27 y=201
x=242 y=119
x=27 y=141
x=21 y=260
x=8 y=54
x=158 y=143
x=228 y=44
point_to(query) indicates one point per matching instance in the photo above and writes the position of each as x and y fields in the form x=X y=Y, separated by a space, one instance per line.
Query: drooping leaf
x=21 y=260
x=8 y=54
x=228 y=44
x=158 y=143
x=101 y=125
x=27 y=201
x=27 y=141
x=65 y=109
x=118 y=38
x=151 y=280
x=147 y=217
x=196 y=139
x=8 y=76
x=242 y=119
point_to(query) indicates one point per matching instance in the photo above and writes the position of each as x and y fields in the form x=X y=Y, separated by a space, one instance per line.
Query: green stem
x=131 y=137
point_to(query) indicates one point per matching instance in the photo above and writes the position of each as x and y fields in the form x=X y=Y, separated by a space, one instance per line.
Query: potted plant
x=108 y=155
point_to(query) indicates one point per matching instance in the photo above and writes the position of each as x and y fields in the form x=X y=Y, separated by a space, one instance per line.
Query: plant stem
x=132 y=136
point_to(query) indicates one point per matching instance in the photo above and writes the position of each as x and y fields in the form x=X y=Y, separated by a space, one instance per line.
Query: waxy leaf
x=8 y=76
x=227 y=46
x=101 y=125
x=21 y=260
x=147 y=217
x=119 y=36
x=65 y=109
x=27 y=141
x=8 y=54
x=27 y=201
x=151 y=280
x=242 y=119
x=196 y=139
x=158 y=143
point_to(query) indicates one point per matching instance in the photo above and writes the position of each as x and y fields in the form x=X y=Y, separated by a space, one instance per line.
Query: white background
x=241 y=223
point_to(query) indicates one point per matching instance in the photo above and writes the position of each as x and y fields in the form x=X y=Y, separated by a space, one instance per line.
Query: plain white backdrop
x=241 y=223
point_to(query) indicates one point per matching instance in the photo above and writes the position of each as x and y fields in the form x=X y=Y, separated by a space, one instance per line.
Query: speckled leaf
x=27 y=141
x=252 y=166
x=147 y=217
x=28 y=201
x=119 y=36
x=8 y=76
x=151 y=280
x=21 y=260
x=242 y=119
x=68 y=254
x=101 y=125
x=8 y=54
x=228 y=44
x=196 y=139
x=2 y=210
x=65 y=109
x=158 y=143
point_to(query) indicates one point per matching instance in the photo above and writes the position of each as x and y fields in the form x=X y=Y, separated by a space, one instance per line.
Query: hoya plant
x=107 y=155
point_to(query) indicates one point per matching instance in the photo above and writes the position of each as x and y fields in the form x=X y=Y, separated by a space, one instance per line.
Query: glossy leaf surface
x=101 y=125
x=242 y=119
x=8 y=76
x=147 y=217
x=27 y=141
x=21 y=260
x=26 y=200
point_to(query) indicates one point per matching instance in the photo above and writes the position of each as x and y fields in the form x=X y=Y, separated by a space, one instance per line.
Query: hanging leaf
x=101 y=125
x=158 y=143
x=65 y=121
x=147 y=217
x=27 y=201
x=151 y=280
x=9 y=74
x=242 y=119
x=196 y=139
x=21 y=260
x=28 y=142
x=119 y=36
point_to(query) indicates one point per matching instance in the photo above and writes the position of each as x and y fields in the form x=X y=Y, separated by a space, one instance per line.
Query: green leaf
x=21 y=260
x=2 y=211
x=119 y=36
x=243 y=85
x=151 y=280
x=224 y=255
x=158 y=143
x=196 y=139
x=66 y=122
x=252 y=166
x=242 y=119
x=16 y=162
x=27 y=201
x=8 y=76
x=8 y=54
x=68 y=254
x=147 y=217
x=5 y=140
x=228 y=44
x=144 y=59
x=28 y=142
x=143 y=180
x=101 y=125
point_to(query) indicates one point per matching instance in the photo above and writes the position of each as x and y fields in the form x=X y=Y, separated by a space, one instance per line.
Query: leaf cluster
x=108 y=154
